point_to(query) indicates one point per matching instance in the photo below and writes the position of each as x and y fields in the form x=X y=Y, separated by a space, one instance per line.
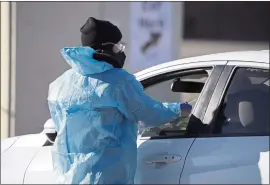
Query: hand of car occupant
x=185 y=109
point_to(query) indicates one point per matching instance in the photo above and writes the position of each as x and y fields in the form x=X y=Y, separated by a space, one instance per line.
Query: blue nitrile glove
x=185 y=109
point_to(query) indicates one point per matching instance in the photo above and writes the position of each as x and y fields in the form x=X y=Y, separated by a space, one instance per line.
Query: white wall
x=43 y=28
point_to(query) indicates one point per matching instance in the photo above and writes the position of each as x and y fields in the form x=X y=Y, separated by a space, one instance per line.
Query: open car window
x=162 y=91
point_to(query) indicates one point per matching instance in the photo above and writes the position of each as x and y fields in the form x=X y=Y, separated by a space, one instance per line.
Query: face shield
x=116 y=48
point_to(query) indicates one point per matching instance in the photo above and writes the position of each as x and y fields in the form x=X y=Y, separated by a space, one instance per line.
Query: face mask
x=120 y=57
x=112 y=54
x=116 y=60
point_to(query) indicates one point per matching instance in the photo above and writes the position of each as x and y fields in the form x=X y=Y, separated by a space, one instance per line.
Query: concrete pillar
x=8 y=65
x=5 y=68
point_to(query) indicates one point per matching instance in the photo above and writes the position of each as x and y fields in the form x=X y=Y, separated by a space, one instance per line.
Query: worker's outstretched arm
x=136 y=105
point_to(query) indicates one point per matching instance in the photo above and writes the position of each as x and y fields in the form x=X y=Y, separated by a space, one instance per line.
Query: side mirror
x=50 y=131
x=187 y=86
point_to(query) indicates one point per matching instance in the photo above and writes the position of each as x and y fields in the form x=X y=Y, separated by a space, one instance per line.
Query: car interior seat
x=247 y=108
x=254 y=112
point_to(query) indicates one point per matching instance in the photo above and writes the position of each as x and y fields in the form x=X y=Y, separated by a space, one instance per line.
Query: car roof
x=261 y=56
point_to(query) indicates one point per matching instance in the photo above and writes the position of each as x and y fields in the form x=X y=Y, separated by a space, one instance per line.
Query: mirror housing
x=186 y=86
x=50 y=131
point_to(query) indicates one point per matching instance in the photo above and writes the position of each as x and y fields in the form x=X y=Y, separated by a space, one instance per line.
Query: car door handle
x=163 y=159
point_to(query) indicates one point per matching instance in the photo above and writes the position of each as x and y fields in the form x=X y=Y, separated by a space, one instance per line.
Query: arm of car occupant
x=136 y=105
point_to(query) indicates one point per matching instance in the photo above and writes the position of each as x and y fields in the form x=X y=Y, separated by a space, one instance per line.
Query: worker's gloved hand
x=185 y=109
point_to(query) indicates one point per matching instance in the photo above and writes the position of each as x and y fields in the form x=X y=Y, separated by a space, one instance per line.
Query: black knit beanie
x=95 y=32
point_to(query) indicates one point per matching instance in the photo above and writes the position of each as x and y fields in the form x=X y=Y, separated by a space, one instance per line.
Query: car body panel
x=17 y=158
x=7 y=143
x=40 y=171
x=230 y=160
x=158 y=150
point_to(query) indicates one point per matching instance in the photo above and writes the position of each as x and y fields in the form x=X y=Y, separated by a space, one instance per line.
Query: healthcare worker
x=96 y=106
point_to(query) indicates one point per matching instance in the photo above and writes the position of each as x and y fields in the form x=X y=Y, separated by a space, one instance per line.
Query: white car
x=224 y=141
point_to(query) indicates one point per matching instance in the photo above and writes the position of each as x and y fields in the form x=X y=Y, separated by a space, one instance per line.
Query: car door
x=235 y=149
x=162 y=150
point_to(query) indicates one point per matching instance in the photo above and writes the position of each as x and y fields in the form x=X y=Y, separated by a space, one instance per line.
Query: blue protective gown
x=96 y=108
